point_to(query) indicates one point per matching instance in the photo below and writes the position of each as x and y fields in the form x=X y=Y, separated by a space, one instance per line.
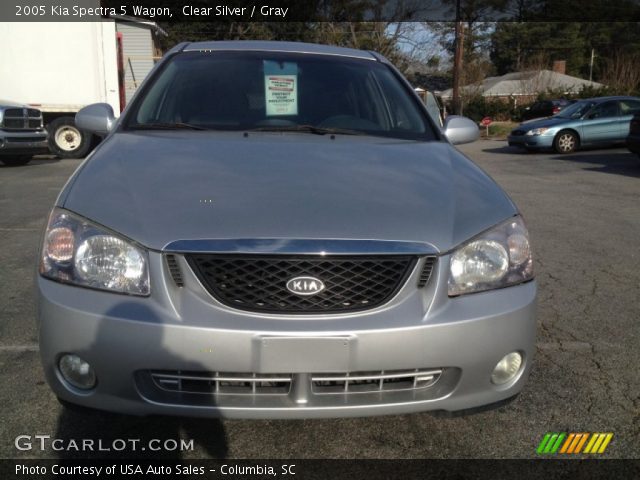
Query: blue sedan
x=593 y=121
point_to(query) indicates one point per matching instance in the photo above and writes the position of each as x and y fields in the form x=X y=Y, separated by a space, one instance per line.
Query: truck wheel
x=66 y=140
x=16 y=161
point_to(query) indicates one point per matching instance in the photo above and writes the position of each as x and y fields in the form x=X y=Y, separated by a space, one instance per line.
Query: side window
x=605 y=110
x=629 y=107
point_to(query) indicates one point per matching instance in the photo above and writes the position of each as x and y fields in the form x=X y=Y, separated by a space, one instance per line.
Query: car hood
x=547 y=122
x=160 y=187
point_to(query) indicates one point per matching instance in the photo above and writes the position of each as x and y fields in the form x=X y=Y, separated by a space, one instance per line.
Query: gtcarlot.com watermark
x=45 y=442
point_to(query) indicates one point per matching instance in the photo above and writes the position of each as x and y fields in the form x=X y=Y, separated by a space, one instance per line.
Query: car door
x=628 y=108
x=602 y=123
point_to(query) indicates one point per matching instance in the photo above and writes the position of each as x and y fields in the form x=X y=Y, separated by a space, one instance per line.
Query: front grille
x=517 y=133
x=22 y=119
x=259 y=282
x=300 y=391
x=219 y=383
x=224 y=383
x=367 y=382
x=13 y=123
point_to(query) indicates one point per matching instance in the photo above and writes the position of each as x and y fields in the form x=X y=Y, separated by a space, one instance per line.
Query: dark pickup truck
x=22 y=134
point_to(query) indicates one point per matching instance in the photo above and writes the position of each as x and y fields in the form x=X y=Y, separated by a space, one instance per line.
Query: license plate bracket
x=281 y=354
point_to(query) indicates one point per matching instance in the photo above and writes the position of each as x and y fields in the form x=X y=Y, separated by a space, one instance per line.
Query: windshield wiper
x=166 y=126
x=307 y=128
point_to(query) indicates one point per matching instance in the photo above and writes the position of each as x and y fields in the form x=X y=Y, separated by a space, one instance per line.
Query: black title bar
x=324 y=10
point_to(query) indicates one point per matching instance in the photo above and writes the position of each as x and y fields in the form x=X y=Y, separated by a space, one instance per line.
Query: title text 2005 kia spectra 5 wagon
x=280 y=230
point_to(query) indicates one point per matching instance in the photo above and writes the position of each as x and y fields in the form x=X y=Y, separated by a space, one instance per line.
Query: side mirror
x=97 y=118
x=459 y=130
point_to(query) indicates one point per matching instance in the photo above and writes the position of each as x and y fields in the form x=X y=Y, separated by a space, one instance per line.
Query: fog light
x=77 y=372
x=507 y=368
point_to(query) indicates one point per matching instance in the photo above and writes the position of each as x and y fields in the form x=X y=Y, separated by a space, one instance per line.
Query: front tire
x=565 y=142
x=16 y=161
x=66 y=140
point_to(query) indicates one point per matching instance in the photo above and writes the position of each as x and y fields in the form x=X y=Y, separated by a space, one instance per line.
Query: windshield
x=577 y=110
x=279 y=91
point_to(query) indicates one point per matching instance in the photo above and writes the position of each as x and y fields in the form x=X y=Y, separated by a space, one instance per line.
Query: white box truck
x=59 y=68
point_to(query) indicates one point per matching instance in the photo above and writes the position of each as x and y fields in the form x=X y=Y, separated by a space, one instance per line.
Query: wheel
x=16 y=161
x=565 y=142
x=66 y=140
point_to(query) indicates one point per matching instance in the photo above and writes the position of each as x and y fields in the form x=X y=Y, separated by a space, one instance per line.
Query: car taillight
x=556 y=109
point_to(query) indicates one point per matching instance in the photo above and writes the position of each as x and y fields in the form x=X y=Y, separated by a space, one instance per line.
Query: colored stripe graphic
x=567 y=442
x=598 y=443
x=551 y=443
x=556 y=446
x=582 y=442
x=605 y=443
x=573 y=443
x=592 y=441
x=543 y=443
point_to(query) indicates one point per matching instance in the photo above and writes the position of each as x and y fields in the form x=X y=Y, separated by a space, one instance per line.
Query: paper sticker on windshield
x=280 y=88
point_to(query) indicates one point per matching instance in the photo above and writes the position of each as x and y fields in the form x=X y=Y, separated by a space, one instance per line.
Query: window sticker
x=280 y=88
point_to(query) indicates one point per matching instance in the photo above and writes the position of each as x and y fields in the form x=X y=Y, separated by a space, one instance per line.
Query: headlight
x=79 y=252
x=497 y=258
x=537 y=131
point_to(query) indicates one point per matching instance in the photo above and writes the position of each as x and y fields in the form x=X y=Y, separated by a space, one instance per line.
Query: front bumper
x=531 y=141
x=23 y=143
x=127 y=339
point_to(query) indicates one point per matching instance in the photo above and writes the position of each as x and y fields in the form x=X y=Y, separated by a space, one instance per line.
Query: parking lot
x=583 y=212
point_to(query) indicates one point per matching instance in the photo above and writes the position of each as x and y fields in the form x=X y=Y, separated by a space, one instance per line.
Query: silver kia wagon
x=279 y=230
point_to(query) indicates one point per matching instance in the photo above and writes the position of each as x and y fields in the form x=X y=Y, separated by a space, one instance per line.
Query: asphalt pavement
x=583 y=213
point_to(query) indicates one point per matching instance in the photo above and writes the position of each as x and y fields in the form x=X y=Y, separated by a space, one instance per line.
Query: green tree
x=532 y=45
x=535 y=45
